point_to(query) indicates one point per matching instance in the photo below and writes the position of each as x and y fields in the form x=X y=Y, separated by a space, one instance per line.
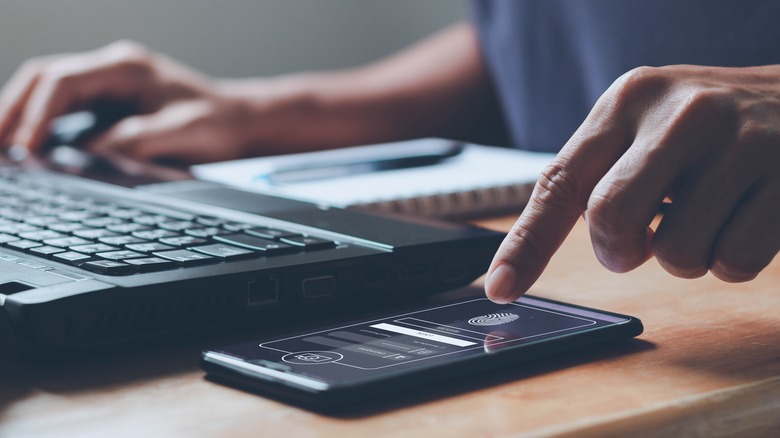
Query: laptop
x=95 y=257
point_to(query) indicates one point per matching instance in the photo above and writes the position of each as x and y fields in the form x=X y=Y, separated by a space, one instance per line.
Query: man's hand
x=706 y=138
x=180 y=115
x=189 y=117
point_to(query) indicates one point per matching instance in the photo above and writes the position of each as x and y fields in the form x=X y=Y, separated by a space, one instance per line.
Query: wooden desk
x=708 y=365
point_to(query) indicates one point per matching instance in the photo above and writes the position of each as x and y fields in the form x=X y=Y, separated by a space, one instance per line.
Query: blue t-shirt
x=552 y=59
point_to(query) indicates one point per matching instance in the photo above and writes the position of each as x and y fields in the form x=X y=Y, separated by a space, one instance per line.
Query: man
x=704 y=135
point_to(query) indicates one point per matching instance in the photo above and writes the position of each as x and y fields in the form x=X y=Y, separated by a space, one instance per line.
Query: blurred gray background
x=230 y=38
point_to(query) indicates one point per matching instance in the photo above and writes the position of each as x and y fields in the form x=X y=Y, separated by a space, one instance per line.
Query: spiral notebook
x=476 y=181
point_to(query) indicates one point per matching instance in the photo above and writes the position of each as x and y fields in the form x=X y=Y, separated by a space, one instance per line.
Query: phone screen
x=373 y=348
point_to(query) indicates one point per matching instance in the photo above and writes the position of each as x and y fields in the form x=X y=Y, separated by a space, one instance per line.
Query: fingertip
x=25 y=139
x=18 y=153
x=501 y=284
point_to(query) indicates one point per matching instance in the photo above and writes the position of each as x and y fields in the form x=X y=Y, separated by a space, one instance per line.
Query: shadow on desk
x=102 y=372
x=125 y=366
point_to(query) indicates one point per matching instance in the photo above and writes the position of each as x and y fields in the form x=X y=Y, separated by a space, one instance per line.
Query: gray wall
x=225 y=38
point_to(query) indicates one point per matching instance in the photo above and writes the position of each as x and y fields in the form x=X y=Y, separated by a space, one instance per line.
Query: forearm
x=438 y=87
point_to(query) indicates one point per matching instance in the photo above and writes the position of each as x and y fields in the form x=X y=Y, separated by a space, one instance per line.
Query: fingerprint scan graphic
x=493 y=319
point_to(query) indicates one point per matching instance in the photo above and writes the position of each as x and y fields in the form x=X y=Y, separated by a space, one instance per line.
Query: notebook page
x=476 y=168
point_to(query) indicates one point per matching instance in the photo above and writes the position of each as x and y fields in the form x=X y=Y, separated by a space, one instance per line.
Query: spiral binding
x=468 y=204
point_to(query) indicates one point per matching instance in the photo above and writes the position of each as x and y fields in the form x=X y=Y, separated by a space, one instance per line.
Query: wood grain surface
x=708 y=364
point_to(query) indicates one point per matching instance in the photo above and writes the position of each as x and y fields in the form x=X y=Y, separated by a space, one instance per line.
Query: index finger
x=559 y=198
x=15 y=93
x=117 y=72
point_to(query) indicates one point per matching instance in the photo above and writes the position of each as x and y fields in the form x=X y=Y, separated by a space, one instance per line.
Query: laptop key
x=150 y=219
x=120 y=255
x=206 y=232
x=148 y=247
x=41 y=221
x=154 y=234
x=46 y=250
x=77 y=216
x=223 y=251
x=108 y=267
x=186 y=257
x=309 y=243
x=65 y=242
x=92 y=248
x=99 y=222
x=209 y=221
x=94 y=233
x=17 y=227
x=65 y=227
x=270 y=233
x=41 y=235
x=182 y=241
x=236 y=226
x=179 y=225
x=268 y=247
x=120 y=240
x=72 y=257
x=125 y=213
x=147 y=264
x=24 y=244
x=5 y=238
x=126 y=228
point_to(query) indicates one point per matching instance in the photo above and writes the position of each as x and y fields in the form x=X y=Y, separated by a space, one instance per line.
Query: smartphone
x=362 y=359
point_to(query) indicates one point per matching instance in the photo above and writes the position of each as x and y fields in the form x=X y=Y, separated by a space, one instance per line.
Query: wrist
x=312 y=111
x=278 y=115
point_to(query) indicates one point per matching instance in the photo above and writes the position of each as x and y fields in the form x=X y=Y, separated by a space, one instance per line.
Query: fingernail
x=18 y=153
x=501 y=284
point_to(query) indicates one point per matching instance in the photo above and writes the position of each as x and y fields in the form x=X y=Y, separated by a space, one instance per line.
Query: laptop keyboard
x=115 y=238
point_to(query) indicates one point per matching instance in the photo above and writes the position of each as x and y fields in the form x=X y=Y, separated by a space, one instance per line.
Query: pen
x=302 y=172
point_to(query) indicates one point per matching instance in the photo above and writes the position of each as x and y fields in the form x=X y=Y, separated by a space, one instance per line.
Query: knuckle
x=557 y=188
x=130 y=54
x=638 y=76
x=708 y=102
x=56 y=78
x=521 y=236
x=635 y=84
x=126 y=47
x=606 y=214
x=32 y=65
x=679 y=258
x=737 y=265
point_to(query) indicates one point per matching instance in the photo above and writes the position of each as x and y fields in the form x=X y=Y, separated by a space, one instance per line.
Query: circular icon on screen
x=312 y=357
x=493 y=319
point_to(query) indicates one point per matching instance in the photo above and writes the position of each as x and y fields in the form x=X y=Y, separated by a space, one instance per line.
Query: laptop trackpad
x=14 y=275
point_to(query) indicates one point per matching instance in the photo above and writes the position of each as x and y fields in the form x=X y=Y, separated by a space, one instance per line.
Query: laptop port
x=263 y=290
x=318 y=287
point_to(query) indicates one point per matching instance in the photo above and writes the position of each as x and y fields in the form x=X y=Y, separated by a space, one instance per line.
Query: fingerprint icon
x=493 y=319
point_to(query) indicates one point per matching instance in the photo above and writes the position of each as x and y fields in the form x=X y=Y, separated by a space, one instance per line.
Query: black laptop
x=86 y=263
